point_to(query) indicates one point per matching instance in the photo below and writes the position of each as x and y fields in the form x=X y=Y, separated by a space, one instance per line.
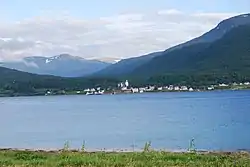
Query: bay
x=218 y=120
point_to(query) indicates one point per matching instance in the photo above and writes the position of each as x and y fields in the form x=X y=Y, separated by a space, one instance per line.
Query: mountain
x=111 y=60
x=13 y=81
x=221 y=29
x=128 y=66
x=10 y=75
x=218 y=32
x=16 y=83
x=229 y=54
x=62 y=65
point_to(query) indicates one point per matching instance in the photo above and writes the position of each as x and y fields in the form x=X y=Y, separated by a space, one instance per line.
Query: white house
x=160 y=88
x=210 y=88
x=171 y=87
x=176 y=88
x=191 y=90
x=150 y=88
x=124 y=88
x=184 y=88
x=141 y=90
x=86 y=90
x=247 y=83
x=135 y=90
x=223 y=85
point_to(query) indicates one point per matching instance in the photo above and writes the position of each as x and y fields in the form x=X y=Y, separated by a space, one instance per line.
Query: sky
x=106 y=28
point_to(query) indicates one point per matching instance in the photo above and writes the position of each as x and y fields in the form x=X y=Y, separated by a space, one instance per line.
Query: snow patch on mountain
x=246 y=15
x=47 y=61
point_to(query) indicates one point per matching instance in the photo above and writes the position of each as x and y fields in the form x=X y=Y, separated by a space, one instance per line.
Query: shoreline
x=105 y=94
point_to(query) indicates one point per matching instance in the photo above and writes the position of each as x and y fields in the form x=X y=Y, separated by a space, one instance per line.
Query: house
x=141 y=91
x=247 y=83
x=160 y=88
x=176 y=88
x=87 y=90
x=190 y=89
x=171 y=87
x=124 y=85
x=135 y=90
x=223 y=85
x=150 y=88
x=210 y=88
x=124 y=88
x=184 y=88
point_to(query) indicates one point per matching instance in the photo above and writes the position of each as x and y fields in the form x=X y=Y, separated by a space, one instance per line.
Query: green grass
x=144 y=159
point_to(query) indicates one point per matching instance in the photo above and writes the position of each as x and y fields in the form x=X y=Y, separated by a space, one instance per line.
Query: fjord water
x=216 y=120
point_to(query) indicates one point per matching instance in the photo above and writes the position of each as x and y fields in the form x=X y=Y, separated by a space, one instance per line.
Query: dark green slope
x=226 y=55
x=170 y=62
x=229 y=54
x=128 y=66
x=13 y=82
x=11 y=75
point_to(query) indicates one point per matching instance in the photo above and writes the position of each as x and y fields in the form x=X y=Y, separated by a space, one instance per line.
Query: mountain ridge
x=126 y=66
x=63 y=65
x=120 y=68
x=229 y=54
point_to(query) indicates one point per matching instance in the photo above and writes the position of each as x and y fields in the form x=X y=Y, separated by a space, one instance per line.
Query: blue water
x=216 y=120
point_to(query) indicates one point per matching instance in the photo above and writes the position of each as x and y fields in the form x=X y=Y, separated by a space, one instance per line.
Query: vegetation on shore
x=16 y=83
x=133 y=159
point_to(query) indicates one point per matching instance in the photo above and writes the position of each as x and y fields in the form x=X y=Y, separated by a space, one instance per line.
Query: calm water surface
x=216 y=120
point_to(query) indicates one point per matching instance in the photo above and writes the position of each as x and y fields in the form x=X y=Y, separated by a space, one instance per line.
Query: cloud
x=121 y=36
x=30 y=64
x=169 y=12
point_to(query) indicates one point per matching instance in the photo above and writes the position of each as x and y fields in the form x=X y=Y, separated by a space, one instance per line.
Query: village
x=126 y=88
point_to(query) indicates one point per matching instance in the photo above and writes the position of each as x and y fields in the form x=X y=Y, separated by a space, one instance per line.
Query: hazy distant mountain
x=126 y=66
x=62 y=65
x=111 y=60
